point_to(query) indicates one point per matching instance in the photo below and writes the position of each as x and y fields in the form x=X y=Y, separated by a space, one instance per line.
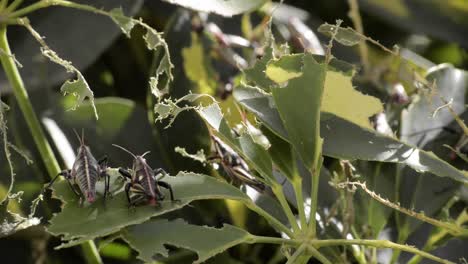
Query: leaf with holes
x=125 y=23
x=151 y=237
x=345 y=140
x=80 y=89
x=304 y=89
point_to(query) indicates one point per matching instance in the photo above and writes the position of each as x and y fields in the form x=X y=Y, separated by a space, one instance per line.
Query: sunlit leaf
x=346 y=140
x=339 y=96
x=151 y=237
x=418 y=125
x=220 y=7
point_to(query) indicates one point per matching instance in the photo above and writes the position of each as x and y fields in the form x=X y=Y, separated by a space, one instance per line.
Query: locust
x=235 y=166
x=143 y=182
x=85 y=172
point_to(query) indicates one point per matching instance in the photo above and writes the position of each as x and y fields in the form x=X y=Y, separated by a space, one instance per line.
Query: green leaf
x=79 y=223
x=254 y=154
x=339 y=96
x=256 y=74
x=345 y=36
x=151 y=237
x=305 y=91
x=282 y=154
x=346 y=140
x=125 y=23
x=221 y=7
x=80 y=89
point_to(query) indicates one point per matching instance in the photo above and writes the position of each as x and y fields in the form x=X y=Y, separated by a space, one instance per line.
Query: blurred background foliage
x=117 y=68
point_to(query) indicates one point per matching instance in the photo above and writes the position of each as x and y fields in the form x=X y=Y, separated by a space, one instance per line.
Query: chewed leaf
x=256 y=74
x=346 y=140
x=125 y=23
x=345 y=36
x=80 y=89
x=79 y=223
x=12 y=222
x=150 y=238
x=302 y=123
x=221 y=7
x=339 y=96
x=154 y=41
x=341 y=99
x=199 y=156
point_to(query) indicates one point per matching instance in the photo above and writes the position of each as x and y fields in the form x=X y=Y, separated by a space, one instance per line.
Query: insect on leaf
x=79 y=223
x=151 y=237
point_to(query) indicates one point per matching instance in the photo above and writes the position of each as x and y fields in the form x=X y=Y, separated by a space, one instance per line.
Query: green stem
x=3 y=4
x=297 y=185
x=274 y=240
x=14 y=5
x=273 y=221
x=46 y=3
x=34 y=126
x=278 y=191
x=315 y=174
x=21 y=96
x=377 y=244
x=319 y=256
x=294 y=258
x=91 y=253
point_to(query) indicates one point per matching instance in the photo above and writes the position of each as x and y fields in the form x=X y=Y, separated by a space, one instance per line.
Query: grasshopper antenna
x=80 y=139
x=126 y=150
x=147 y=152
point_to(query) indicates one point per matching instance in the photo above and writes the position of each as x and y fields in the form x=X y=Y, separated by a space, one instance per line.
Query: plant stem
x=21 y=96
x=3 y=4
x=14 y=5
x=274 y=240
x=273 y=221
x=278 y=191
x=315 y=174
x=34 y=126
x=319 y=256
x=377 y=244
x=91 y=253
x=297 y=186
x=357 y=22
x=301 y=250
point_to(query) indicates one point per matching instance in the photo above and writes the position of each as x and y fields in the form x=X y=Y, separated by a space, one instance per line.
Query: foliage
x=293 y=150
